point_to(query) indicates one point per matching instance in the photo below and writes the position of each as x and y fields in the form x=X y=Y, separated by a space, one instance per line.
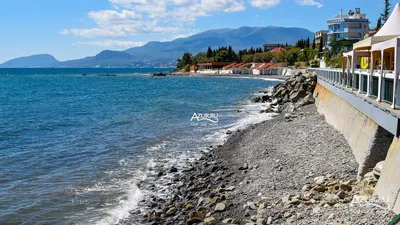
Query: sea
x=73 y=148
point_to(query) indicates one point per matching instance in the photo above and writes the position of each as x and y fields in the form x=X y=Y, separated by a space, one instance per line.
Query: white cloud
x=132 y=17
x=265 y=4
x=114 y=43
x=64 y=32
x=310 y=3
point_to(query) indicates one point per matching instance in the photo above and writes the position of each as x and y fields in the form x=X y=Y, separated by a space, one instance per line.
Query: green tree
x=313 y=44
x=247 y=58
x=321 y=47
x=222 y=56
x=187 y=68
x=187 y=59
x=386 y=12
x=307 y=43
x=179 y=63
x=378 y=24
x=201 y=57
x=292 y=56
x=209 y=52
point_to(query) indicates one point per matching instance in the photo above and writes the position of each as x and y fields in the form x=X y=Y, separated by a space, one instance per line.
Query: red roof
x=237 y=66
x=256 y=66
x=278 y=49
x=244 y=66
x=230 y=66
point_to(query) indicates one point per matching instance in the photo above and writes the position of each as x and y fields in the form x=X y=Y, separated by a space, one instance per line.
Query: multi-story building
x=321 y=37
x=351 y=27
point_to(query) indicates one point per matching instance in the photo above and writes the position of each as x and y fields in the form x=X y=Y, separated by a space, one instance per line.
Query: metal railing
x=376 y=86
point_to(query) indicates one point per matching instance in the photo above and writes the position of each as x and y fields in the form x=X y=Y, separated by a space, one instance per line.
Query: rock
x=220 y=207
x=198 y=215
x=160 y=173
x=269 y=220
x=342 y=195
x=257 y=99
x=297 y=95
x=136 y=212
x=251 y=205
x=171 y=212
x=316 y=210
x=189 y=207
x=306 y=188
x=287 y=215
x=229 y=132
x=378 y=168
x=265 y=98
x=202 y=200
x=292 y=219
x=286 y=199
x=209 y=219
x=370 y=177
x=229 y=221
x=244 y=167
x=331 y=199
x=173 y=169
x=345 y=187
x=288 y=115
x=300 y=78
x=231 y=188
x=307 y=100
x=193 y=220
x=329 y=176
x=319 y=180
x=320 y=188
x=290 y=108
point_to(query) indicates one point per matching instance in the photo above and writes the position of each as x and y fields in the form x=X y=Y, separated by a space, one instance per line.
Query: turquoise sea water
x=72 y=147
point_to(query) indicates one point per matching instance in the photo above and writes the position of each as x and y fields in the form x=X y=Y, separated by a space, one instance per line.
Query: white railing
x=375 y=86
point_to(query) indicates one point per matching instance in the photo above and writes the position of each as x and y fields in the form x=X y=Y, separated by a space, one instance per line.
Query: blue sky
x=77 y=28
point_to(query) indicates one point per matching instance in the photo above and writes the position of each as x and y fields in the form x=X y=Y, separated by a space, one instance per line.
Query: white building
x=353 y=26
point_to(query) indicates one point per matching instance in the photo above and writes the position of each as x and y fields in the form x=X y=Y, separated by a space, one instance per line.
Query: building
x=269 y=47
x=382 y=56
x=277 y=49
x=321 y=37
x=208 y=67
x=350 y=27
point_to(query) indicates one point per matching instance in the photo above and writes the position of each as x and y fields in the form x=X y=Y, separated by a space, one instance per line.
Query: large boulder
x=297 y=95
x=309 y=99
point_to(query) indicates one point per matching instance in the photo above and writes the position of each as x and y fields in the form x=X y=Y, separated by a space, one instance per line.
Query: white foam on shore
x=250 y=115
x=124 y=207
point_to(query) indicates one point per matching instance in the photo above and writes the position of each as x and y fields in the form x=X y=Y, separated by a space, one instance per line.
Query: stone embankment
x=293 y=169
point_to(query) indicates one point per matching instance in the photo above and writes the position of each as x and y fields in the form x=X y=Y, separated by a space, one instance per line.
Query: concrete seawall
x=369 y=141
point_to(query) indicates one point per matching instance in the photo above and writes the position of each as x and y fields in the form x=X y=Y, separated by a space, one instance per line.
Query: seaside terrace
x=375 y=78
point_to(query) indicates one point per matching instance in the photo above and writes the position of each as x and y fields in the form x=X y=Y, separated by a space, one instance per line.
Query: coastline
x=265 y=77
x=265 y=174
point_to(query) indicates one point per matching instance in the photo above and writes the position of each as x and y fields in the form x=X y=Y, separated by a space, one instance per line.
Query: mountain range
x=164 y=54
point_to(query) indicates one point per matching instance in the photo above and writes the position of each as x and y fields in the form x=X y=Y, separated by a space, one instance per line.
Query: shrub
x=187 y=68
x=297 y=65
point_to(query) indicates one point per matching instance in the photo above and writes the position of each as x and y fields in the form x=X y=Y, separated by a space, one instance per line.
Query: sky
x=78 y=28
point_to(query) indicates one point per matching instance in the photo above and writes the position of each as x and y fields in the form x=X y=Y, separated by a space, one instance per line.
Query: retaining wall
x=368 y=141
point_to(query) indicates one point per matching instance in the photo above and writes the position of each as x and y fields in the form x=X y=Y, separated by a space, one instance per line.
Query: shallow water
x=72 y=147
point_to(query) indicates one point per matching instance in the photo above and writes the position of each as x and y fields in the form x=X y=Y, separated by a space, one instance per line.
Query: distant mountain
x=244 y=37
x=156 y=53
x=33 y=61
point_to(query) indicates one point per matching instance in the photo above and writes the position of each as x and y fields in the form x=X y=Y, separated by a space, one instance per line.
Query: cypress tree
x=307 y=45
x=320 y=48
x=386 y=12
x=378 y=24
x=209 y=53
x=313 y=44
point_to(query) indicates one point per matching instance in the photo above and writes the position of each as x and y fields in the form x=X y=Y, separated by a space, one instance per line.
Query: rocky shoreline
x=293 y=169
